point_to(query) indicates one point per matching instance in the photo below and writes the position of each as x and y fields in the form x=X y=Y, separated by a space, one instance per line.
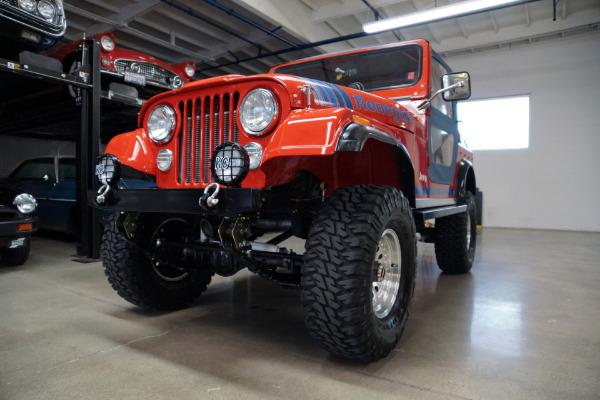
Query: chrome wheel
x=387 y=264
x=468 y=231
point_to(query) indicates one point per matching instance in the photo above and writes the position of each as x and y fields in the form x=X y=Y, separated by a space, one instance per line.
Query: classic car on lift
x=123 y=69
x=30 y=25
x=17 y=223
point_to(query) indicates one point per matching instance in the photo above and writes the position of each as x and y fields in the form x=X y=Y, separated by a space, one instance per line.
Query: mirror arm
x=427 y=103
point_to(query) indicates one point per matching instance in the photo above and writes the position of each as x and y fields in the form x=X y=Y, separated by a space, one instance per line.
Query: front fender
x=132 y=150
x=308 y=133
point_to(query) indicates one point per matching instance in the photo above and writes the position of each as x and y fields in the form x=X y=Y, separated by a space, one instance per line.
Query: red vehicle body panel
x=305 y=135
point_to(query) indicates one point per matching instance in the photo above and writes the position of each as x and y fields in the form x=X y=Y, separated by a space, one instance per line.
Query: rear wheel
x=359 y=272
x=456 y=238
x=140 y=277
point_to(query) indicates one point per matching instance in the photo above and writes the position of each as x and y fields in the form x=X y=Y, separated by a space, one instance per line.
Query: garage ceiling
x=250 y=36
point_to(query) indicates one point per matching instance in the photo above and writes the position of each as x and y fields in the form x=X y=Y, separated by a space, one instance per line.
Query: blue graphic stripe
x=342 y=97
x=327 y=100
x=331 y=95
x=317 y=94
x=324 y=96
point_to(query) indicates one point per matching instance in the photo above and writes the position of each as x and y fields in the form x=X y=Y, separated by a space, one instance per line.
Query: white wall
x=555 y=183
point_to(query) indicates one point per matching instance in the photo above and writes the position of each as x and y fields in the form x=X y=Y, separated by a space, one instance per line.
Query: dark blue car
x=52 y=181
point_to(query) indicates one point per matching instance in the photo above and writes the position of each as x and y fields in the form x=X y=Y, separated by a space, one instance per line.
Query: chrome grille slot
x=207 y=122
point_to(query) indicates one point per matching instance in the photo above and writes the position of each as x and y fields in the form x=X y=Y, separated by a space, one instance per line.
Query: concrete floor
x=525 y=324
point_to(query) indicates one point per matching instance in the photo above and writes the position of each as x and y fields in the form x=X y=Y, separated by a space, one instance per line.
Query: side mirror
x=461 y=83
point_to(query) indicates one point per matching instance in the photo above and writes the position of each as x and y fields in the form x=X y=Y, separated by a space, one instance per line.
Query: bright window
x=495 y=124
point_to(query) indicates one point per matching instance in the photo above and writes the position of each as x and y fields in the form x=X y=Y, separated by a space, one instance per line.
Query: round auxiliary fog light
x=26 y=203
x=164 y=160
x=230 y=164
x=108 y=170
x=255 y=152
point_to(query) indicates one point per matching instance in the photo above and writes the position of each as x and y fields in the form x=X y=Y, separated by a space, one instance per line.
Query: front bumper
x=9 y=229
x=15 y=21
x=178 y=201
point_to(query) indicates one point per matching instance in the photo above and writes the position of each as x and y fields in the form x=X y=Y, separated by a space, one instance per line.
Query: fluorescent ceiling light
x=438 y=14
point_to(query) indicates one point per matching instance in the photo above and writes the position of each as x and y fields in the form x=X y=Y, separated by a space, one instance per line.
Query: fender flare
x=353 y=139
x=465 y=180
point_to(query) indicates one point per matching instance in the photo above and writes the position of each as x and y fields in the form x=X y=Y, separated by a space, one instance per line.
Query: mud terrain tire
x=359 y=272
x=456 y=238
x=138 y=280
x=17 y=256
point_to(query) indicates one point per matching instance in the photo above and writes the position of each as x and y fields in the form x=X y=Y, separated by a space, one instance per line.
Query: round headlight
x=255 y=153
x=28 y=5
x=25 y=202
x=46 y=9
x=257 y=111
x=230 y=164
x=107 y=43
x=190 y=70
x=161 y=124
x=164 y=159
x=108 y=169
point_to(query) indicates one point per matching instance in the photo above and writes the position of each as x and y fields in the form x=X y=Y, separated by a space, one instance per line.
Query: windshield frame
x=319 y=61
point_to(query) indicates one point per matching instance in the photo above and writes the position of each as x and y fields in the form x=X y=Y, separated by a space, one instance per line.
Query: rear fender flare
x=465 y=180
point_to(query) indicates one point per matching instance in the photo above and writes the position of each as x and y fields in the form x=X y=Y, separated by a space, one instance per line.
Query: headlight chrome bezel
x=44 y=6
x=190 y=70
x=25 y=203
x=168 y=116
x=107 y=43
x=28 y=5
x=247 y=112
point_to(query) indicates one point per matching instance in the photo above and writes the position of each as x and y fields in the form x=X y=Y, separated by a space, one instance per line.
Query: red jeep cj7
x=352 y=151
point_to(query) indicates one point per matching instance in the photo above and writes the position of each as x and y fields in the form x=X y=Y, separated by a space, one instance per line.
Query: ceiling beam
x=118 y=19
x=511 y=34
x=293 y=16
x=335 y=10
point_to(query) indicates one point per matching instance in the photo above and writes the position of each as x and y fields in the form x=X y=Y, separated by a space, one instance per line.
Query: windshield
x=369 y=70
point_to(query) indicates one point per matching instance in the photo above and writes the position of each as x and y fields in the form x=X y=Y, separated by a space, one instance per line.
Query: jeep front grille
x=207 y=122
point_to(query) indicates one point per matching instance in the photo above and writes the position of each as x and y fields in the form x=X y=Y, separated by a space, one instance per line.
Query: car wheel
x=147 y=282
x=70 y=64
x=16 y=256
x=456 y=238
x=358 y=274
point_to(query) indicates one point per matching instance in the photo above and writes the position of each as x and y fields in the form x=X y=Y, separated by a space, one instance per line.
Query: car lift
x=88 y=141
